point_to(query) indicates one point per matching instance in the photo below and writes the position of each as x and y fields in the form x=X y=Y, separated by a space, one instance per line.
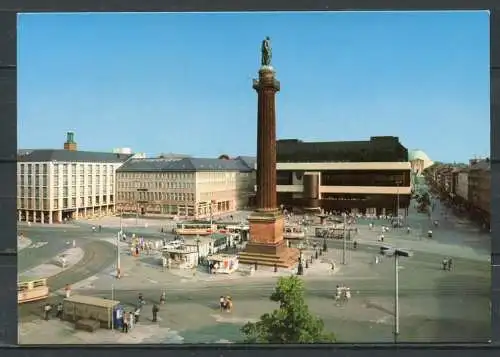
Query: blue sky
x=183 y=82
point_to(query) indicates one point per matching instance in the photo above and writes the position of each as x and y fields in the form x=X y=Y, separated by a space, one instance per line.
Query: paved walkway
x=23 y=242
x=54 y=267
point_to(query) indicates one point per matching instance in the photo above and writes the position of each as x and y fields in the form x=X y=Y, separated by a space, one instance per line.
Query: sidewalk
x=54 y=267
x=23 y=242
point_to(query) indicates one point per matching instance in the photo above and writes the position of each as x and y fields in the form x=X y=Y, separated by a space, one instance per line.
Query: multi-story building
x=187 y=187
x=479 y=190
x=53 y=185
x=461 y=186
x=370 y=177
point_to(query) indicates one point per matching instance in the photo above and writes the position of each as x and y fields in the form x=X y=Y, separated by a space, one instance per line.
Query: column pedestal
x=267 y=246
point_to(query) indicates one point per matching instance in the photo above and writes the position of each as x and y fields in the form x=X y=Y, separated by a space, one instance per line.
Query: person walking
x=59 y=313
x=46 y=311
x=450 y=263
x=155 y=311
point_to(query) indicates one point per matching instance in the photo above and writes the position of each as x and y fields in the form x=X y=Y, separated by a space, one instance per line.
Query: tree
x=291 y=322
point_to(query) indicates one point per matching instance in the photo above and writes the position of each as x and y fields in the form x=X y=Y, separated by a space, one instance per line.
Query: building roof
x=377 y=149
x=189 y=164
x=480 y=165
x=40 y=155
x=250 y=161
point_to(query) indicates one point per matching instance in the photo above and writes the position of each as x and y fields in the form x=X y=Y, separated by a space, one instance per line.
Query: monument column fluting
x=266 y=86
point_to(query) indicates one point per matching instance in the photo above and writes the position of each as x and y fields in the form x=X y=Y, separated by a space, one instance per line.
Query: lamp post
x=344 y=241
x=396 y=252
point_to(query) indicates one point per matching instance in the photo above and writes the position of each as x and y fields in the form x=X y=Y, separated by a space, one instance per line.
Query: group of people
x=47 y=309
x=342 y=294
x=447 y=264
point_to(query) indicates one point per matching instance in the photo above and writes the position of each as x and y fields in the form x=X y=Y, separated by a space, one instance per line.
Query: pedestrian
x=131 y=319
x=137 y=314
x=377 y=259
x=163 y=297
x=450 y=263
x=445 y=264
x=155 y=311
x=67 y=290
x=59 y=313
x=46 y=311
x=126 y=322
x=100 y=228
x=222 y=303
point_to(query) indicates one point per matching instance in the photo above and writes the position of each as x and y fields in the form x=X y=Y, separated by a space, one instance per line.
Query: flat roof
x=92 y=300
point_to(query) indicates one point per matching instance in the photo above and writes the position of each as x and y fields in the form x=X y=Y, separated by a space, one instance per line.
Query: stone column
x=42 y=217
x=59 y=216
x=34 y=216
x=84 y=213
x=77 y=214
x=27 y=216
x=50 y=217
x=266 y=87
x=19 y=216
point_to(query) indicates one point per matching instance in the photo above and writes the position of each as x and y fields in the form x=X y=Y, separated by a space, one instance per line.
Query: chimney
x=70 y=143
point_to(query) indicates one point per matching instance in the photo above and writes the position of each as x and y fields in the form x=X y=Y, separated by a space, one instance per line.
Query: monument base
x=266 y=246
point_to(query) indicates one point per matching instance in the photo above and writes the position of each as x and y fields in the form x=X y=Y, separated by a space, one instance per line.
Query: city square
x=366 y=240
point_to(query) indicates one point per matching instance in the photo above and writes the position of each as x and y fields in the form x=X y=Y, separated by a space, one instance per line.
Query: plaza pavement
x=435 y=305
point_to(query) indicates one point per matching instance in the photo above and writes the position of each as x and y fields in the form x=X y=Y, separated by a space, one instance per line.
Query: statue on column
x=266 y=51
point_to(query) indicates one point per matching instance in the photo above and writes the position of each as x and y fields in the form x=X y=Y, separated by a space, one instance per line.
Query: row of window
x=155 y=185
x=66 y=203
x=159 y=175
x=156 y=196
x=24 y=191
x=43 y=168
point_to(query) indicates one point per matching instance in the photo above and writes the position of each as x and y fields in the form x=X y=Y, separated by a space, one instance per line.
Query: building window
x=46 y=205
x=44 y=180
x=65 y=191
x=56 y=204
x=73 y=202
x=29 y=181
x=22 y=169
x=37 y=180
x=45 y=192
x=37 y=169
x=44 y=169
x=37 y=204
x=89 y=201
x=65 y=203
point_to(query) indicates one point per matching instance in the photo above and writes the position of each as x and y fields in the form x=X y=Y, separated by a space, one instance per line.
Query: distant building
x=370 y=177
x=479 y=189
x=187 y=187
x=55 y=184
x=419 y=161
x=122 y=151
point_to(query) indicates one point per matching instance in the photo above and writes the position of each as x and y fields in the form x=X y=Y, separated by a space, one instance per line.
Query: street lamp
x=344 y=241
x=396 y=252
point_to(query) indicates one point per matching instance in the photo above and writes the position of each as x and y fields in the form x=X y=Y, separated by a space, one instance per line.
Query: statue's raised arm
x=267 y=53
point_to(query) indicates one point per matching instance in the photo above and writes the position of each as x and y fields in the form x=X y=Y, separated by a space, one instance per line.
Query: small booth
x=222 y=263
x=184 y=257
x=293 y=233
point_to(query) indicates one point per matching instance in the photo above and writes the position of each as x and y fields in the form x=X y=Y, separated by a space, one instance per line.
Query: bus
x=32 y=290
x=195 y=228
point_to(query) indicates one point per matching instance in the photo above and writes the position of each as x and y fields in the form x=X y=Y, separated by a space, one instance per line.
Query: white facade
x=52 y=191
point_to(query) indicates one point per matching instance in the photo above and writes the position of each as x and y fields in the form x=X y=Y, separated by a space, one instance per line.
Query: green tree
x=291 y=322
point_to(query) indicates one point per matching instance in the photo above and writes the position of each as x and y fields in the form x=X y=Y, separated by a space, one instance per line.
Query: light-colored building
x=462 y=184
x=53 y=185
x=419 y=161
x=186 y=187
